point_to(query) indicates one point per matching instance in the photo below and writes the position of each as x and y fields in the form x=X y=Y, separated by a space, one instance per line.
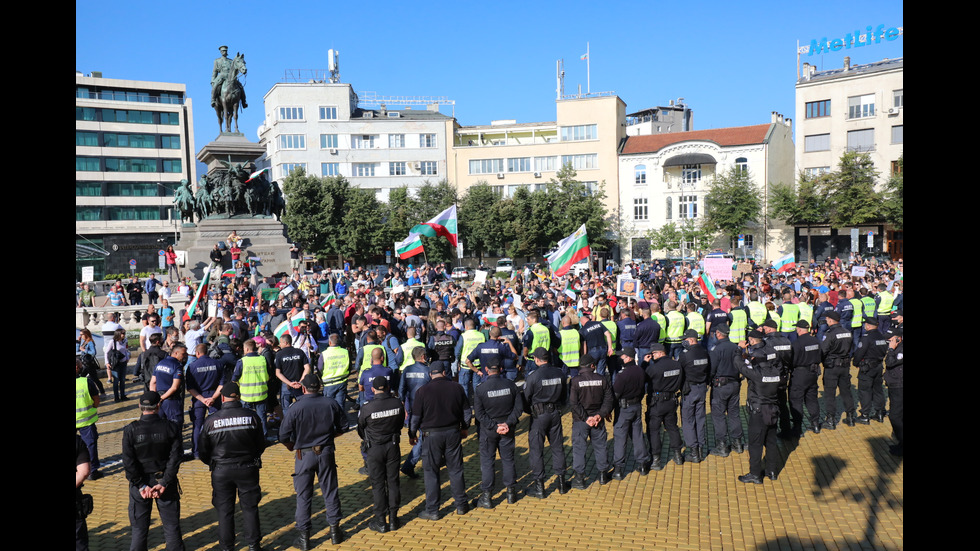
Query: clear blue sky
x=733 y=62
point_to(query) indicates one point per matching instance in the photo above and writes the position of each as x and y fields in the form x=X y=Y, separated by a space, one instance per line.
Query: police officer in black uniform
x=497 y=406
x=868 y=357
x=544 y=392
x=695 y=363
x=442 y=345
x=441 y=412
x=805 y=371
x=894 y=378
x=784 y=355
x=664 y=379
x=231 y=444
x=836 y=351
x=308 y=428
x=379 y=424
x=764 y=375
x=151 y=453
x=628 y=392
x=725 y=387
x=591 y=400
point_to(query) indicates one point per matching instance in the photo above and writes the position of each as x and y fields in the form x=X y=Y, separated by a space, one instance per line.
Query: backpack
x=115 y=359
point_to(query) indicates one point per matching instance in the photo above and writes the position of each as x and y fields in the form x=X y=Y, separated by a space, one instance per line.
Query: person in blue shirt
x=205 y=377
x=168 y=375
x=341 y=288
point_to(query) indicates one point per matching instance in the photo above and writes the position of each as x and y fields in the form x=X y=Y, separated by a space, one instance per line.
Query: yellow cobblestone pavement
x=839 y=489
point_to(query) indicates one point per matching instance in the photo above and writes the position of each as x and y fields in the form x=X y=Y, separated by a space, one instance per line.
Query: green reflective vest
x=366 y=360
x=739 y=323
x=774 y=316
x=757 y=311
x=791 y=315
x=85 y=412
x=806 y=312
x=675 y=327
x=869 y=306
x=885 y=306
x=571 y=347
x=541 y=338
x=254 y=382
x=471 y=339
x=407 y=348
x=336 y=365
x=663 y=326
x=858 y=319
x=696 y=321
x=613 y=331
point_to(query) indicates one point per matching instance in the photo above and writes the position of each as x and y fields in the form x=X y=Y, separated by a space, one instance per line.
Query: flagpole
x=588 y=70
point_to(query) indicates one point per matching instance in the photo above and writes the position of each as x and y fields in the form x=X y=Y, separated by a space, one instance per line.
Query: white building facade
x=665 y=178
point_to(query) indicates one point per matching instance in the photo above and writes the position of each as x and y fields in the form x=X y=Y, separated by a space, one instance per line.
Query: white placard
x=88 y=273
x=480 y=276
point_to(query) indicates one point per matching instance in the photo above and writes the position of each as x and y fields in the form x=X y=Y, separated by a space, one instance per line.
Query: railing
x=124 y=96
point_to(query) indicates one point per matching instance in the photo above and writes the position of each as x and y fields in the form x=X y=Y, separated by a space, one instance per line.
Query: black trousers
x=837 y=379
x=383 y=461
x=629 y=426
x=896 y=413
x=803 y=391
x=663 y=412
x=582 y=433
x=871 y=391
x=725 y=412
x=226 y=483
x=437 y=447
x=547 y=425
x=762 y=435
x=323 y=468
x=139 y=518
x=490 y=444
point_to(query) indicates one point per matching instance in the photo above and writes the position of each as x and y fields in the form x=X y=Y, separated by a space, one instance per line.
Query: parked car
x=461 y=272
x=505 y=265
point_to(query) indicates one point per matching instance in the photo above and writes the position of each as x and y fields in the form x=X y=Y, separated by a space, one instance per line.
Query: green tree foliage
x=850 y=191
x=894 y=195
x=309 y=216
x=666 y=238
x=799 y=205
x=732 y=203
x=695 y=231
x=480 y=226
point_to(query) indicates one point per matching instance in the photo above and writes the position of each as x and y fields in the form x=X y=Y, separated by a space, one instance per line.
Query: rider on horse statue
x=223 y=70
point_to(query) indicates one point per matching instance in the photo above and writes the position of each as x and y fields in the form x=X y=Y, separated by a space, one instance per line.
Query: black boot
x=536 y=489
x=643 y=469
x=578 y=481
x=655 y=464
x=605 y=477
x=378 y=525
x=393 y=522
x=618 y=474
x=303 y=541
x=738 y=445
x=511 y=495
x=750 y=478
x=484 y=501
x=678 y=457
x=849 y=419
x=693 y=455
x=879 y=416
x=336 y=534
x=721 y=449
x=563 y=486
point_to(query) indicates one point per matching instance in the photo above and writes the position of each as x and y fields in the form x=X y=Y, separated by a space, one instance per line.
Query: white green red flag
x=573 y=248
x=202 y=292
x=444 y=224
x=409 y=247
x=295 y=320
x=328 y=300
x=281 y=330
x=255 y=175
x=229 y=273
x=786 y=263
x=707 y=287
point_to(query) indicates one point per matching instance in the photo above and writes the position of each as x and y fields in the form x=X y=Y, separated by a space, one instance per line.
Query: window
x=170 y=142
x=135 y=117
x=129 y=164
x=290 y=113
x=748 y=239
x=896 y=167
x=670 y=208
x=691 y=174
x=396 y=141
x=898 y=134
x=364 y=169
x=640 y=176
x=328 y=113
x=134 y=213
x=84 y=113
x=590 y=187
x=88 y=189
x=86 y=138
x=579 y=133
x=170 y=98
x=87 y=164
x=363 y=141
x=861 y=140
x=861 y=106
x=397 y=168
x=688 y=206
x=427 y=140
x=640 y=209
x=816 y=109
x=742 y=166
x=292 y=141
x=132 y=189
x=172 y=165
x=88 y=214
x=486 y=166
x=288 y=168
x=519 y=164
x=429 y=168
x=898 y=99
x=330 y=169
x=328 y=141
x=817 y=142
x=581 y=162
x=173 y=119
x=129 y=140
x=817 y=171
x=545 y=164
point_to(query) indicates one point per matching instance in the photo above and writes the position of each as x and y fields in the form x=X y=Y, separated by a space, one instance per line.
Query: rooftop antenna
x=333 y=65
x=561 y=78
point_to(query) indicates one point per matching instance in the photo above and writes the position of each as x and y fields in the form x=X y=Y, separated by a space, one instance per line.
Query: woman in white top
x=516 y=320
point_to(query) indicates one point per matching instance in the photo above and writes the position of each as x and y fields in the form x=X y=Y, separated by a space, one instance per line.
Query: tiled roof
x=738 y=135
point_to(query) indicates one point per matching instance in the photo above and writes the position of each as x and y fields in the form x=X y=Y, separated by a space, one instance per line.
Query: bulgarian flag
x=443 y=224
x=281 y=330
x=229 y=273
x=294 y=321
x=328 y=300
x=202 y=292
x=412 y=245
x=256 y=174
x=573 y=248
x=707 y=287
x=786 y=263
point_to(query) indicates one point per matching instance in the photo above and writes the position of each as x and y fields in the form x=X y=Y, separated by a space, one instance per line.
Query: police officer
x=764 y=375
x=231 y=444
x=628 y=391
x=379 y=424
x=695 y=364
x=86 y=415
x=537 y=336
x=868 y=358
x=598 y=341
x=784 y=356
x=591 y=400
x=894 y=378
x=308 y=429
x=252 y=375
x=676 y=325
x=441 y=412
x=442 y=345
x=496 y=350
x=205 y=376
x=497 y=406
x=167 y=378
x=647 y=332
x=151 y=452
x=334 y=368
x=725 y=386
x=664 y=379
x=468 y=341
x=570 y=348
x=544 y=392
x=805 y=371
x=412 y=379
x=835 y=349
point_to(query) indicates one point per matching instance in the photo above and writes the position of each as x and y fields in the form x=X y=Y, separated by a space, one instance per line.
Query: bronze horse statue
x=230 y=96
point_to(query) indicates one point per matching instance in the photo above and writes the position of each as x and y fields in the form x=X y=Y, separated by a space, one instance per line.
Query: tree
x=894 y=196
x=800 y=205
x=733 y=202
x=665 y=238
x=480 y=226
x=310 y=214
x=431 y=199
x=850 y=191
x=694 y=231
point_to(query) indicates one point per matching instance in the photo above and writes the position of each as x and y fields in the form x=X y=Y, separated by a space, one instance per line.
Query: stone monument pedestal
x=261 y=237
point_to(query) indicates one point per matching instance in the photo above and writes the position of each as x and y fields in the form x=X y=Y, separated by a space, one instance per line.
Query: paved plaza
x=839 y=489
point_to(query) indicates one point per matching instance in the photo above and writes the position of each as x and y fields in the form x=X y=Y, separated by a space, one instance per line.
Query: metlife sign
x=857 y=39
